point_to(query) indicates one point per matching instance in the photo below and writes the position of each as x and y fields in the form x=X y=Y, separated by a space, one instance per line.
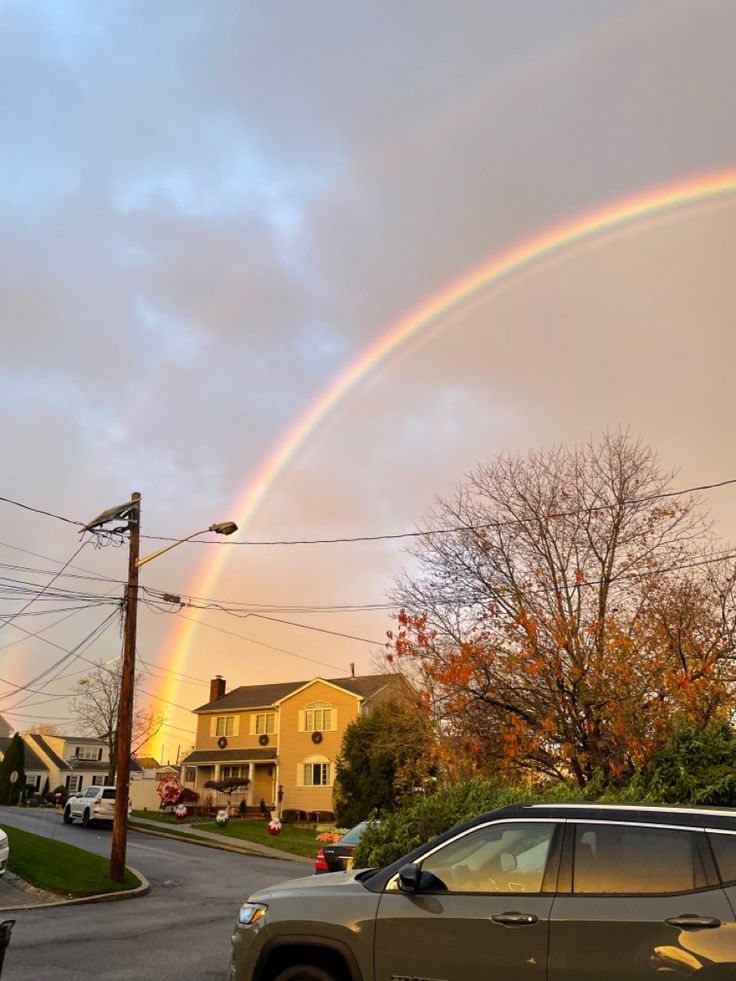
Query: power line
x=48 y=514
x=91 y=637
x=260 y=643
x=663 y=495
x=47 y=586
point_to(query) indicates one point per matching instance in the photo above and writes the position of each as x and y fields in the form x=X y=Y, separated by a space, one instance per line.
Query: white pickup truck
x=90 y=805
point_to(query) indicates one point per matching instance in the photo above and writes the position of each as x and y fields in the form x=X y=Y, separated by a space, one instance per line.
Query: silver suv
x=90 y=805
x=524 y=893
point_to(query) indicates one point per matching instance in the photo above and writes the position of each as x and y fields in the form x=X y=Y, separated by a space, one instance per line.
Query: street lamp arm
x=223 y=528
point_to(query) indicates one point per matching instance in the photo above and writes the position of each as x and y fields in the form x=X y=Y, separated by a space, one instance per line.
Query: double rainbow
x=694 y=192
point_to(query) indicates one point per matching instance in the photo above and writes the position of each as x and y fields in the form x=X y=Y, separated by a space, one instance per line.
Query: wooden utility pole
x=125 y=706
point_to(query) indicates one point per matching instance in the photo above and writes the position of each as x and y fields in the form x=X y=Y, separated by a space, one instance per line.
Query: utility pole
x=125 y=707
x=131 y=511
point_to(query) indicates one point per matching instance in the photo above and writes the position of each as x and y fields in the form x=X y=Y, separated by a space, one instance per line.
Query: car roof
x=691 y=817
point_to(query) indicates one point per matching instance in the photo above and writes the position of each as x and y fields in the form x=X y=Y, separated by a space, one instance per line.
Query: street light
x=132 y=512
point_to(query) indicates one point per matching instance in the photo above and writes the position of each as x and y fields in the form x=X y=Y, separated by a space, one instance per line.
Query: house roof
x=30 y=760
x=84 y=740
x=147 y=762
x=230 y=756
x=265 y=696
x=45 y=748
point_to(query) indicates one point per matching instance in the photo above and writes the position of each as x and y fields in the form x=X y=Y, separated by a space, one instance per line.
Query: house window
x=317 y=717
x=98 y=781
x=88 y=752
x=225 y=725
x=316 y=774
x=190 y=774
x=234 y=772
x=74 y=783
x=265 y=723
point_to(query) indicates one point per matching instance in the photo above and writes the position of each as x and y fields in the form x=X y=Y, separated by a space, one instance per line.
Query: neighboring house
x=72 y=762
x=285 y=735
x=34 y=767
x=5 y=728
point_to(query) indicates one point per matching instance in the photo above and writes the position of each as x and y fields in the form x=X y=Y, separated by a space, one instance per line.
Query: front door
x=641 y=902
x=481 y=909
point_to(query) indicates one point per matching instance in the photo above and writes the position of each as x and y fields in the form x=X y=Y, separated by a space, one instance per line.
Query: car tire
x=307 y=972
x=85 y=819
x=68 y=815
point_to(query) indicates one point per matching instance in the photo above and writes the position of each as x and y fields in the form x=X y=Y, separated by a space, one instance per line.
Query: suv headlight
x=250 y=913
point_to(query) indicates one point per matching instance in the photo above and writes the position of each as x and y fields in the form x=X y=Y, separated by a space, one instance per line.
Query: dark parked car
x=525 y=893
x=339 y=856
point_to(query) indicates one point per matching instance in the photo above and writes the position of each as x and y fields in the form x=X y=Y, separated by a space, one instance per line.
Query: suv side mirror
x=409 y=877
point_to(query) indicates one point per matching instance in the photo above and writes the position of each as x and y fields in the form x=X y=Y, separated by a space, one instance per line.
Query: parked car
x=339 y=856
x=95 y=804
x=4 y=851
x=523 y=893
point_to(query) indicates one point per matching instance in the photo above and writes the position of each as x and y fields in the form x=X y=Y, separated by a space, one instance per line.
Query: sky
x=210 y=212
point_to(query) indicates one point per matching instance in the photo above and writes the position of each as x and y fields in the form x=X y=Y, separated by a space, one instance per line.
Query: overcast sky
x=208 y=211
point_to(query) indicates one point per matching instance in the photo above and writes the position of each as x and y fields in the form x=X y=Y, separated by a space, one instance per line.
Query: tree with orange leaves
x=578 y=608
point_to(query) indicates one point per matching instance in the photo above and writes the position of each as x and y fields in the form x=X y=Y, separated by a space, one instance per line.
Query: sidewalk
x=219 y=841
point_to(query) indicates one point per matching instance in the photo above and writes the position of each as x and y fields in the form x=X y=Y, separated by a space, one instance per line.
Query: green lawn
x=294 y=839
x=163 y=816
x=61 y=868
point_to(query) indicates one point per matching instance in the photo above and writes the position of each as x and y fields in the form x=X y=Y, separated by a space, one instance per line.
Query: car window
x=724 y=847
x=108 y=795
x=499 y=858
x=626 y=860
x=92 y=792
x=353 y=836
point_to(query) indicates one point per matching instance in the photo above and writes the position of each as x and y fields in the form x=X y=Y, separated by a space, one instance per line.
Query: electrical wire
x=47 y=586
x=259 y=643
x=512 y=522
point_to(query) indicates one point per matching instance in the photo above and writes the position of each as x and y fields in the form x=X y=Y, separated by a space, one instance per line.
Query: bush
x=422 y=818
x=697 y=766
x=289 y=815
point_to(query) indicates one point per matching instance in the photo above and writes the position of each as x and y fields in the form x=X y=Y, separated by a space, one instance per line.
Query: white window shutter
x=253 y=721
x=333 y=718
x=213 y=725
x=300 y=774
x=301 y=722
x=236 y=725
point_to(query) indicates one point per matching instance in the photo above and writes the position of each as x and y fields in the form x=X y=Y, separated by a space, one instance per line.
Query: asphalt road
x=181 y=929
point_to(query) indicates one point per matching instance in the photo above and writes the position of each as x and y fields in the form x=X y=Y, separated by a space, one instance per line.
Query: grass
x=293 y=839
x=163 y=817
x=61 y=868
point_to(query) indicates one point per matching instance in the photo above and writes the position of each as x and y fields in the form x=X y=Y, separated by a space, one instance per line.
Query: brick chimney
x=217 y=688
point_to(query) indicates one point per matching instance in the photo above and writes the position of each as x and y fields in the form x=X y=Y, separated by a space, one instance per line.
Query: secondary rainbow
x=703 y=189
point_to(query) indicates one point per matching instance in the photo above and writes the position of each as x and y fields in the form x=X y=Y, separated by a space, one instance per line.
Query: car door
x=481 y=909
x=637 y=901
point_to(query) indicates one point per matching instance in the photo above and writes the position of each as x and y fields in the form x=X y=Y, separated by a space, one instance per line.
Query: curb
x=223 y=846
x=141 y=889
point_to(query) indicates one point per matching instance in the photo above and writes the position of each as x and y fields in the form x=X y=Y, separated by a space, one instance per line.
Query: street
x=180 y=929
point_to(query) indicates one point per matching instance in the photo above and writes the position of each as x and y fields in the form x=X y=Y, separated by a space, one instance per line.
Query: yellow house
x=284 y=738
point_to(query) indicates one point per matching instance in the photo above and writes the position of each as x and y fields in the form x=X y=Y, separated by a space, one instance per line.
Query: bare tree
x=44 y=729
x=95 y=703
x=575 y=612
